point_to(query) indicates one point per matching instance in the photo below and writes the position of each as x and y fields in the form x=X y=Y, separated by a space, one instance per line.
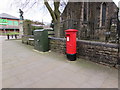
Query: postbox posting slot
x=68 y=37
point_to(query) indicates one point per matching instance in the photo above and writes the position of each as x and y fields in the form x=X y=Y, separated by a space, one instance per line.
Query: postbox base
x=71 y=57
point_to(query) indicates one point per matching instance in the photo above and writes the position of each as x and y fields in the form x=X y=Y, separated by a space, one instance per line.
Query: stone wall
x=98 y=52
x=57 y=45
x=28 y=39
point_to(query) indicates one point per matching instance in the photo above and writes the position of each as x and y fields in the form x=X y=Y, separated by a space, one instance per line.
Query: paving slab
x=24 y=67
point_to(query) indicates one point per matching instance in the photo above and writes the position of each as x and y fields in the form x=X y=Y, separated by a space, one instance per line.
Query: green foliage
x=33 y=22
x=34 y=27
x=29 y=26
x=13 y=33
x=27 y=20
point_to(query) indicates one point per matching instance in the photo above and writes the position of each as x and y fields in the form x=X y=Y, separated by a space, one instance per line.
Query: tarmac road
x=23 y=67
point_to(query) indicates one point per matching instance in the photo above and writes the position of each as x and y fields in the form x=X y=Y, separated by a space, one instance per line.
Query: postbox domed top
x=71 y=30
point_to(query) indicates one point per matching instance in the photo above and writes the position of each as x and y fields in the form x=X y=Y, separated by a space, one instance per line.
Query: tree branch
x=56 y=10
x=50 y=10
x=56 y=5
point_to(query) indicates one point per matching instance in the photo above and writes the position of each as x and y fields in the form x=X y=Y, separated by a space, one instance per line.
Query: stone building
x=94 y=20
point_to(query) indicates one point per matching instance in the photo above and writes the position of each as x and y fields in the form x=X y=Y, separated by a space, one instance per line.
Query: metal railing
x=88 y=30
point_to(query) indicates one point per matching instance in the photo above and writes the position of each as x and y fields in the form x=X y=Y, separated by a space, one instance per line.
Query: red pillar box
x=71 y=44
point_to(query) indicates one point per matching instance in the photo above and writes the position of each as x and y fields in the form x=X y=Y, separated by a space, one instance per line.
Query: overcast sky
x=37 y=13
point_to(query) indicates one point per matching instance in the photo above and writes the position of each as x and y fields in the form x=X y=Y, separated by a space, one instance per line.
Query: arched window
x=103 y=14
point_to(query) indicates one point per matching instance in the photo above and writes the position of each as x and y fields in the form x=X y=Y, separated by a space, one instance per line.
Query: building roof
x=7 y=16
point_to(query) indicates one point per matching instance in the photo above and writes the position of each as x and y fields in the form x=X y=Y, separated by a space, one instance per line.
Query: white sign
x=31 y=38
x=68 y=39
x=3 y=23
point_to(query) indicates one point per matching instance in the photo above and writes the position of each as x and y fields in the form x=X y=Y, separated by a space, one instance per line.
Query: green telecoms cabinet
x=41 y=40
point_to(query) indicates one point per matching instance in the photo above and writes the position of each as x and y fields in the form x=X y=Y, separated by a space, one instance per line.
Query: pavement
x=24 y=67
